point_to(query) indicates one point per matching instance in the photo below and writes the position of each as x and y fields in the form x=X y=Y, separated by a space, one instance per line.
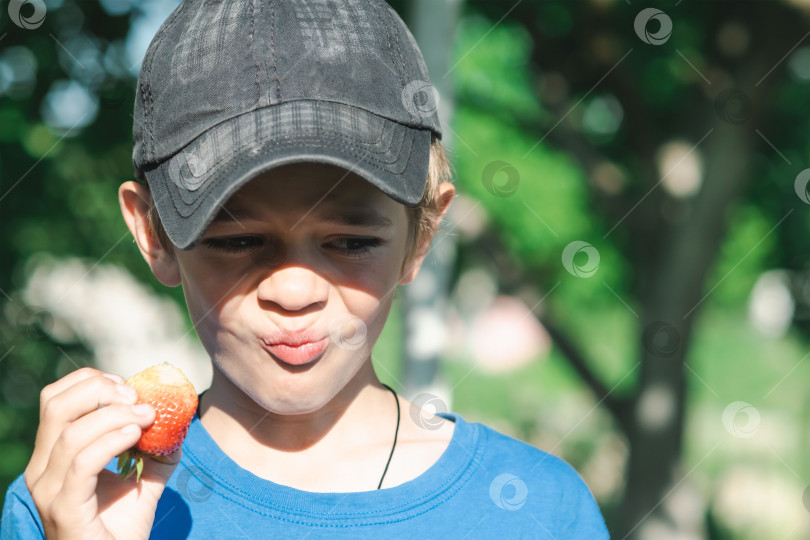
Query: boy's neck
x=357 y=425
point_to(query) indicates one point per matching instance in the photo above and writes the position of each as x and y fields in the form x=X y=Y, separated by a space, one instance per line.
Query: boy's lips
x=296 y=352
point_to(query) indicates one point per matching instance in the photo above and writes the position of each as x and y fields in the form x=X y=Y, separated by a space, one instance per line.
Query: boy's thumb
x=158 y=469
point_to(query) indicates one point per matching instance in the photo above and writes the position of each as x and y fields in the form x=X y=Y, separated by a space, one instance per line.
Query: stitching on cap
x=376 y=8
x=399 y=50
x=150 y=61
x=402 y=81
x=273 y=49
x=253 y=52
x=318 y=143
x=144 y=126
x=286 y=139
x=152 y=122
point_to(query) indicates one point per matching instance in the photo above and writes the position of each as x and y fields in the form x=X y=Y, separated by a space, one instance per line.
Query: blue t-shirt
x=484 y=485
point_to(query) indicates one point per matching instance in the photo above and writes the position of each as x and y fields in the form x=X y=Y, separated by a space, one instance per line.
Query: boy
x=293 y=178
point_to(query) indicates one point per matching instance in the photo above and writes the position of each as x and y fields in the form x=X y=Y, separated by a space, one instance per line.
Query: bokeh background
x=622 y=280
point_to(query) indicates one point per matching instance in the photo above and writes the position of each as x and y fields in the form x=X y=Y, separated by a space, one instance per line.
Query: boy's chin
x=292 y=405
x=285 y=389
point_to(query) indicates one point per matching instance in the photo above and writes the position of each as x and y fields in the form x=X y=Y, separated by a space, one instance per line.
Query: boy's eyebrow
x=352 y=217
x=234 y=214
x=357 y=217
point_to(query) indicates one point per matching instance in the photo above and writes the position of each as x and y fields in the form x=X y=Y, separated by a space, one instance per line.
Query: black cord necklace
x=396 y=432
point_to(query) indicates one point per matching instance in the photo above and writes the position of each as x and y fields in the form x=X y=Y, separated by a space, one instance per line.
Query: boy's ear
x=411 y=267
x=135 y=200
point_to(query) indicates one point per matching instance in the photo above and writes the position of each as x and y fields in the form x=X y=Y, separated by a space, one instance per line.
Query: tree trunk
x=424 y=301
x=675 y=293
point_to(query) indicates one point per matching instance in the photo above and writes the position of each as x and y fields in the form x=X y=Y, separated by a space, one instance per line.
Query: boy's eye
x=234 y=244
x=354 y=246
x=351 y=246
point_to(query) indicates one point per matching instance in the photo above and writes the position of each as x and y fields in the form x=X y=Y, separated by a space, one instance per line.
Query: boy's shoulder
x=503 y=451
x=519 y=476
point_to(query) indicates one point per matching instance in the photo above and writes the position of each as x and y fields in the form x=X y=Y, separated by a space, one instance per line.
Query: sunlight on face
x=302 y=247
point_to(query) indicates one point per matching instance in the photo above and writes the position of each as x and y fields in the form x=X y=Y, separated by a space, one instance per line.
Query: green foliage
x=667 y=92
x=749 y=248
x=550 y=206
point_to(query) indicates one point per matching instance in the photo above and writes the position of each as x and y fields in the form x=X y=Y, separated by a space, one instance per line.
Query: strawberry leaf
x=122 y=460
x=125 y=468
x=139 y=467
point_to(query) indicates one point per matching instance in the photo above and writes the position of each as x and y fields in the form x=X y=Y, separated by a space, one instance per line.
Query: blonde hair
x=422 y=218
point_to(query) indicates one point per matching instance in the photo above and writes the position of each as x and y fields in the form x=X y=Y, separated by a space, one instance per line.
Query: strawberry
x=175 y=400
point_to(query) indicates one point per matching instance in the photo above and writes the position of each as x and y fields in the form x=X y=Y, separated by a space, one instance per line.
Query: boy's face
x=281 y=265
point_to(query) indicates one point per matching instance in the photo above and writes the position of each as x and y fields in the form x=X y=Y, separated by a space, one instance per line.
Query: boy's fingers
x=81 y=478
x=89 y=428
x=86 y=396
x=72 y=378
x=88 y=392
x=158 y=469
x=82 y=391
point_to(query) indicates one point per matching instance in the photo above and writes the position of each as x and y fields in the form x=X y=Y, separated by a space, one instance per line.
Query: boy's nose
x=293 y=288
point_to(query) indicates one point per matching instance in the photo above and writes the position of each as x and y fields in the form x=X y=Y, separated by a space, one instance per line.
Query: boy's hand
x=86 y=420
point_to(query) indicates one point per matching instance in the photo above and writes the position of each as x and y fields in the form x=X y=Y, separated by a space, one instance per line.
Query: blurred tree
x=683 y=124
x=424 y=302
x=66 y=95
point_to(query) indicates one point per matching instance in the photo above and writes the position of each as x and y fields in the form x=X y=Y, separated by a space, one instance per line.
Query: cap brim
x=189 y=188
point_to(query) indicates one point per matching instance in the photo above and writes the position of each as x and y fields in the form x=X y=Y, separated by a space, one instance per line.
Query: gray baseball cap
x=230 y=89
